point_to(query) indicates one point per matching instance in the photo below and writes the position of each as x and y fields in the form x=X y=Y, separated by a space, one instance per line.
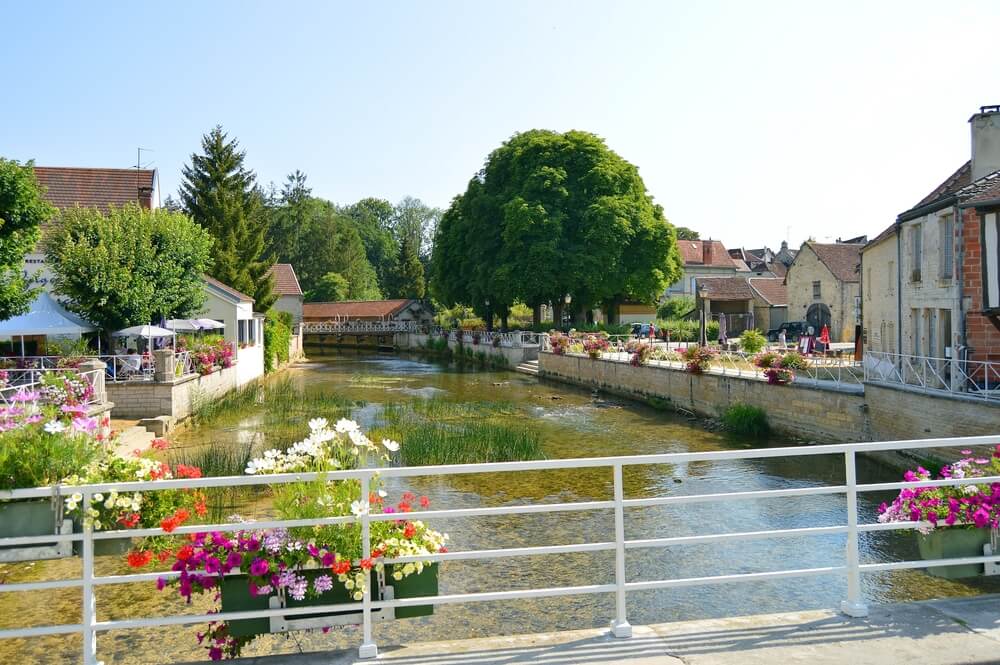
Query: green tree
x=219 y=192
x=553 y=214
x=411 y=271
x=22 y=210
x=373 y=219
x=130 y=266
x=684 y=233
x=332 y=287
x=286 y=214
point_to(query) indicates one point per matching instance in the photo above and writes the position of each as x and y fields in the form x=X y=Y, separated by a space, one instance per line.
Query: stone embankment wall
x=515 y=355
x=175 y=398
x=881 y=413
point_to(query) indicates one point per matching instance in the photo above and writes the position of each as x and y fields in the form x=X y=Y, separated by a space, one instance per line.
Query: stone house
x=286 y=287
x=946 y=297
x=758 y=302
x=823 y=285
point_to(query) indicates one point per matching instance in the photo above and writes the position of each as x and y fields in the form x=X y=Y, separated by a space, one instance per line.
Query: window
x=817 y=290
x=868 y=283
x=990 y=239
x=915 y=328
x=891 y=273
x=243 y=330
x=917 y=251
x=947 y=260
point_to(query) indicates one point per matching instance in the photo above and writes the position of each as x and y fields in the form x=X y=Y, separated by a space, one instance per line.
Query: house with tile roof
x=934 y=274
x=286 y=287
x=823 y=285
x=244 y=328
x=704 y=258
x=396 y=310
x=755 y=302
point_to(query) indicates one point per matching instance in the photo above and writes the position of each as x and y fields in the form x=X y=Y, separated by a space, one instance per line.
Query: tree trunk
x=536 y=316
x=557 y=314
x=503 y=322
x=489 y=319
x=590 y=317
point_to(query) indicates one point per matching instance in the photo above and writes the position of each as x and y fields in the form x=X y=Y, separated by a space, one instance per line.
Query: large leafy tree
x=373 y=218
x=22 y=210
x=684 y=233
x=286 y=213
x=130 y=266
x=553 y=214
x=219 y=192
x=410 y=272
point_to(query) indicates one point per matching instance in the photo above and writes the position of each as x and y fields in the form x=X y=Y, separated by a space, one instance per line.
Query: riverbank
x=940 y=632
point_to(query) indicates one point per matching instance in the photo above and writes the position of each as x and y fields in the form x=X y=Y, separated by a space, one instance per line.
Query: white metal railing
x=854 y=605
x=948 y=375
x=356 y=327
x=29 y=381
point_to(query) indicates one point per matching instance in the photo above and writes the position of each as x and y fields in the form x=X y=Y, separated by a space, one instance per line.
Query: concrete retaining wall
x=514 y=355
x=149 y=399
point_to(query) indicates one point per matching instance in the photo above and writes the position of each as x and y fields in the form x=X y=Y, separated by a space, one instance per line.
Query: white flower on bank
x=358 y=438
x=345 y=426
x=54 y=427
x=317 y=424
x=359 y=508
x=390 y=445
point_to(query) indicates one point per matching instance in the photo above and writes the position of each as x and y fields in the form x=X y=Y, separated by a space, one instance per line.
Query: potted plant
x=640 y=352
x=698 y=358
x=595 y=345
x=959 y=518
x=323 y=565
x=559 y=343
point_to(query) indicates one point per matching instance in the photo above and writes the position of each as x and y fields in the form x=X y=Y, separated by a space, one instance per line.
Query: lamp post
x=703 y=316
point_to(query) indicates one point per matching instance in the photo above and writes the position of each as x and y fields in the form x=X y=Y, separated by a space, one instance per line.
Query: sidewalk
x=963 y=631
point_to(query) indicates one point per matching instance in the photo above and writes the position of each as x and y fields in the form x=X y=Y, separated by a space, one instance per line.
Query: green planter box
x=950 y=542
x=20 y=519
x=235 y=590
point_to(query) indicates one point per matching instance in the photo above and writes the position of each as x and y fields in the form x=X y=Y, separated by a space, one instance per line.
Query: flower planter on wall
x=235 y=590
x=19 y=519
x=947 y=543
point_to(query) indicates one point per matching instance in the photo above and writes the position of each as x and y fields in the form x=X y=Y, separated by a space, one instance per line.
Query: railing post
x=368 y=648
x=620 y=627
x=855 y=605
x=89 y=617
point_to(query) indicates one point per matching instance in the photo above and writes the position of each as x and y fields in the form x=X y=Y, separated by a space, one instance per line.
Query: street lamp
x=567 y=299
x=703 y=315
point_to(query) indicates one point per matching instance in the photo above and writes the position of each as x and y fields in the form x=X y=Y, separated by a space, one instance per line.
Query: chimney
x=706 y=252
x=985 y=141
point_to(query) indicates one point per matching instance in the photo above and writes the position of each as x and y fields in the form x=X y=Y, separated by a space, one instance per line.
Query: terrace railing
x=851 y=566
x=28 y=381
x=359 y=327
x=977 y=379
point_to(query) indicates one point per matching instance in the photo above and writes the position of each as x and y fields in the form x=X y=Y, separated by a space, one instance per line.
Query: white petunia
x=317 y=424
x=76 y=496
x=390 y=445
x=54 y=427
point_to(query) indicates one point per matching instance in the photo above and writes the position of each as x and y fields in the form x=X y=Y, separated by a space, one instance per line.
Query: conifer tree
x=220 y=193
x=411 y=270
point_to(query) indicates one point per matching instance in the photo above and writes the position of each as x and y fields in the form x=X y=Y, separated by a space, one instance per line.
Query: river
x=572 y=423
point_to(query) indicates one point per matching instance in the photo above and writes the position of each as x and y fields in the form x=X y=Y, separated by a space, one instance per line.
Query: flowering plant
x=61 y=388
x=778 y=375
x=974 y=505
x=698 y=358
x=640 y=352
x=767 y=359
x=209 y=353
x=594 y=345
x=559 y=343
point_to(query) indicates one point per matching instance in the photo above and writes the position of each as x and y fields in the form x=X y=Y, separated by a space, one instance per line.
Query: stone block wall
x=149 y=399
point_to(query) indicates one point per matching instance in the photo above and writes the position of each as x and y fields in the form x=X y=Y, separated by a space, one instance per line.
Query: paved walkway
x=950 y=632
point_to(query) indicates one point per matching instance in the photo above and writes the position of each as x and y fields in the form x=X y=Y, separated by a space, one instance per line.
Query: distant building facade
x=823 y=285
x=398 y=310
x=286 y=287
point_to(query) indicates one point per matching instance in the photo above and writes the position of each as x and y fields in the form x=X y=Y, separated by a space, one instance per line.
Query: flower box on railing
x=951 y=543
x=33 y=517
x=236 y=597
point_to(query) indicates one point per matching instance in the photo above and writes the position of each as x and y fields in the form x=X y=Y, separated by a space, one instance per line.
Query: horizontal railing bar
x=745 y=535
x=40 y=540
x=231 y=526
x=488 y=596
x=37 y=586
x=925 y=563
x=731 y=496
x=893 y=526
x=947 y=482
x=495 y=467
x=135 y=578
x=739 y=577
x=501 y=553
x=64 y=629
x=498 y=510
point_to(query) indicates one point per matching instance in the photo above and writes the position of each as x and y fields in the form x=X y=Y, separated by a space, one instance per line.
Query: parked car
x=643 y=330
x=793 y=330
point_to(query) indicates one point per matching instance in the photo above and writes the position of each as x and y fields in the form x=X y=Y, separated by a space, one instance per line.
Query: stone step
x=528 y=367
x=134 y=438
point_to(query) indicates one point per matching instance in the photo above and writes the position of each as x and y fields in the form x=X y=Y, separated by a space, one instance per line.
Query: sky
x=750 y=122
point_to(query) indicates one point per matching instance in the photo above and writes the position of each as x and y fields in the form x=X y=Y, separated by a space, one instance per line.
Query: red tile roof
x=778 y=268
x=96 y=188
x=354 y=309
x=841 y=258
x=693 y=253
x=227 y=289
x=771 y=289
x=984 y=190
x=954 y=182
x=725 y=288
x=285 y=281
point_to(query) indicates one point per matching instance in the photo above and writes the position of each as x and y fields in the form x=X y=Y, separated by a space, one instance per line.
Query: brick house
x=934 y=275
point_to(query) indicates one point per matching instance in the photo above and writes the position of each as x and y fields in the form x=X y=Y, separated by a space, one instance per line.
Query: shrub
x=794 y=360
x=752 y=341
x=277 y=337
x=746 y=420
x=675 y=307
x=559 y=343
x=594 y=345
x=767 y=359
x=698 y=358
x=778 y=375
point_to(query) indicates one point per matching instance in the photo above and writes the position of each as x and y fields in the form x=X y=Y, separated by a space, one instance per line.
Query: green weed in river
x=276 y=399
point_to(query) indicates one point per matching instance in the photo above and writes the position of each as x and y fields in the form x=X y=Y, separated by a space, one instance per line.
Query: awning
x=45 y=317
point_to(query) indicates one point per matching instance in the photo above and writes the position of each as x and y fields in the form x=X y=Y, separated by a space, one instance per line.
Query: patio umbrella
x=149 y=332
x=722 y=328
x=186 y=325
x=209 y=324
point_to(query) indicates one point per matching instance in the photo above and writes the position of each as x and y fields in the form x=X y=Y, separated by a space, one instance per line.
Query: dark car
x=643 y=330
x=793 y=330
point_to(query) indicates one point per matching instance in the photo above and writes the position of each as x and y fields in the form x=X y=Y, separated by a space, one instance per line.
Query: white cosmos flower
x=359 y=508
x=345 y=426
x=358 y=438
x=390 y=445
x=383 y=493
x=317 y=424
x=54 y=427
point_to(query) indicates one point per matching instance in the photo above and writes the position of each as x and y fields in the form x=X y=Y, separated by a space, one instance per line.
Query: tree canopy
x=22 y=210
x=219 y=192
x=128 y=267
x=553 y=214
x=684 y=233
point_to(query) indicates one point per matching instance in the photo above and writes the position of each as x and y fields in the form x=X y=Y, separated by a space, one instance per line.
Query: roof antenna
x=138 y=167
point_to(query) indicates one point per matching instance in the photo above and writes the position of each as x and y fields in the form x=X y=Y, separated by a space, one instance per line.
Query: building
x=823 y=285
x=286 y=287
x=704 y=258
x=244 y=327
x=399 y=310
x=757 y=302
x=946 y=270
x=764 y=262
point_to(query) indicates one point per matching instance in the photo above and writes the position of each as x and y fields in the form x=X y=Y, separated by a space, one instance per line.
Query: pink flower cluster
x=974 y=505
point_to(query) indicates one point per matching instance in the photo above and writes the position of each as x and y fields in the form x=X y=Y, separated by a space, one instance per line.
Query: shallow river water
x=573 y=423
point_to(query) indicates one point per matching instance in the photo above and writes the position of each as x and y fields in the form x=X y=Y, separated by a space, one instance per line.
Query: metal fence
x=943 y=375
x=852 y=567
x=19 y=382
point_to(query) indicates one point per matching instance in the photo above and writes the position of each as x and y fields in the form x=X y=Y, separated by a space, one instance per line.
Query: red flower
x=138 y=559
x=341 y=567
x=424 y=502
x=408 y=497
x=159 y=444
x=377 y=552
x=404 y=507
x=129 y=521
x=409 y=530
x=185 y=471
x=200 y=507
x=366 y=564
x=168 y=524
x=182 y=515
x=163 y=556
x=185 y=553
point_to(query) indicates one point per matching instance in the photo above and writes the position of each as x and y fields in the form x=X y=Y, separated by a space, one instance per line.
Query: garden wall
x=514 y=355
x=149 y=399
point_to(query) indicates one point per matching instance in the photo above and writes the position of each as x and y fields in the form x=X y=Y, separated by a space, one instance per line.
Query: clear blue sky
x=749 y=121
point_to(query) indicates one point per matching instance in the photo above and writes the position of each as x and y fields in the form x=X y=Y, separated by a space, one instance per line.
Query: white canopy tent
x=149 y=332
x=45 y=317
x=210 y=324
